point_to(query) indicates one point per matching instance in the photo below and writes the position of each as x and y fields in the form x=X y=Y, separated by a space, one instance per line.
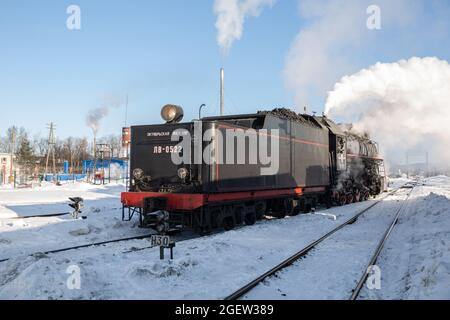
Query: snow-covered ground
x=24 y=236
x=414 y=264
x=416 y=261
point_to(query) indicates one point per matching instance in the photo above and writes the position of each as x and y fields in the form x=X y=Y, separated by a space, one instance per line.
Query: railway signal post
x=164 y=242
x=77 y=205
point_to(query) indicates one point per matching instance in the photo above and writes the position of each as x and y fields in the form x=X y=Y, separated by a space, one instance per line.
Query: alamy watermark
x=374 y=19
x=73 y=22
x=226 y=145
x=373 y=281
x=74 y=280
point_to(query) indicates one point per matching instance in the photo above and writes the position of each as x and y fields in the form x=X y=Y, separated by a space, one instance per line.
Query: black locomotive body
x=223 y=171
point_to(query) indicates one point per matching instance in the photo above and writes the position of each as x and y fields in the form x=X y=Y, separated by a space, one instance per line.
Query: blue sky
x=157 y=52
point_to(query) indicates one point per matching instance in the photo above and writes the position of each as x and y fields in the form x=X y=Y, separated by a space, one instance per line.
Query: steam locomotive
x=228 y=170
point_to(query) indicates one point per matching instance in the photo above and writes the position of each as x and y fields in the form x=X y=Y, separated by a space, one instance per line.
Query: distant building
x=6 y=167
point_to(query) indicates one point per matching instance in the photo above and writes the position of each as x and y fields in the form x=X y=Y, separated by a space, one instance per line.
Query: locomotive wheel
x=228 y=223
x=297 y=209
x=350 y=198
x=343 y=200
x=204 y=231
x=260 y=210
x=288 y=207
x=357 y=196
x=215 y=217
x=279 y=209
x=314 y=204
x=281 y=214
x=250 y=218
x=366 y=196
x=308 y=208
x=328 y=201
x=239 y=215
x=300 y=208
x=378 y=189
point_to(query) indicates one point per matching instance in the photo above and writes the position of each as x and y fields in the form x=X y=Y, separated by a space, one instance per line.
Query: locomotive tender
x=309 y=160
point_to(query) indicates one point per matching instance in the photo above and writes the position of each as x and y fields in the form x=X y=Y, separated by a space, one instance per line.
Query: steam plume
x=334 y=35
x=95 y=115
x=231 y=16
x=403 y=105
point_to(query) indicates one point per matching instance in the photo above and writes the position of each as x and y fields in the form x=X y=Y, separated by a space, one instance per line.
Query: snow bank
x=416 y=261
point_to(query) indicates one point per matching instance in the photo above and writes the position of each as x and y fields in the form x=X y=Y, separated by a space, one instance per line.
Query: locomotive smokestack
x=222 y=92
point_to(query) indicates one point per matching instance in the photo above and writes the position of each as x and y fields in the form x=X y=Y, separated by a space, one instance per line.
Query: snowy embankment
x=213 y=267
x=20 y=236
x=416 y=261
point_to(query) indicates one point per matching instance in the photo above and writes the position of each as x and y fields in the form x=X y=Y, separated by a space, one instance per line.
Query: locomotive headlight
x=138 y=173
x=183 y=173
x=172 y=113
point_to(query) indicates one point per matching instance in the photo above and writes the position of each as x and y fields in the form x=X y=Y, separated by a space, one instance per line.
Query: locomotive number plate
x=167 y=149
x=162 y=241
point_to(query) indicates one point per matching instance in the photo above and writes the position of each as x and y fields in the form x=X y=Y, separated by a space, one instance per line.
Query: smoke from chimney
x=94 y=116
x=405 y=106
x=231 y=16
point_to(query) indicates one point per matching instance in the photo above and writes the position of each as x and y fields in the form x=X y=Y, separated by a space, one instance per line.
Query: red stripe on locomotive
x=187 y=202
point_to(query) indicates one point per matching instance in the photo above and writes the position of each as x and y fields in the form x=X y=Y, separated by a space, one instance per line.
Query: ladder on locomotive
x=382 y=173
x=382 y=169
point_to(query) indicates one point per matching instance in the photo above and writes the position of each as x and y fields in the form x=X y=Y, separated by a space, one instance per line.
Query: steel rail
x=356 y=291
x=289 y=261
x=48 y=215
x=41 y=216
x=95 y=244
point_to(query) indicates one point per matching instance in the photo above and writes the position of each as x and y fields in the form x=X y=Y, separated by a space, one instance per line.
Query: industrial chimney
x=222 y=92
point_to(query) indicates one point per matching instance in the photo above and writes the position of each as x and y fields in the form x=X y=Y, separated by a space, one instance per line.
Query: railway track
x=50 y=215
x=357 y=290
x=95 y=244
x=303 y=252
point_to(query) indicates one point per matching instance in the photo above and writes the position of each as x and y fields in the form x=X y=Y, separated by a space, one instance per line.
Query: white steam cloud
x=332 y=40
x=405 y=106
x=231 y=16
x=95 y=115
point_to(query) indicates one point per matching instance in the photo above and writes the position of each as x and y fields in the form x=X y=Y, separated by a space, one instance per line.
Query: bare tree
x=72 y=149
x=40 y=145
x=11 y=142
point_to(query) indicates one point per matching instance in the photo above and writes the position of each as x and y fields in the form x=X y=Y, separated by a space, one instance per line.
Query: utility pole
x=427 y=165
x=51 y=150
